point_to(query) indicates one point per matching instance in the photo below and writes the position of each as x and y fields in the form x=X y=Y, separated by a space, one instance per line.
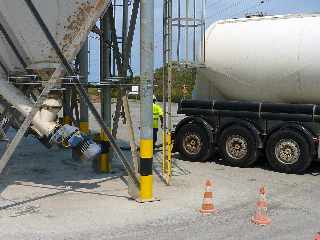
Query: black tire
x=193 y=143
x=238 y=146
x=288 y=151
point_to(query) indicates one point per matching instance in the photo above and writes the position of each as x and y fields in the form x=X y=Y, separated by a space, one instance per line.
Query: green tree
x=183 y=80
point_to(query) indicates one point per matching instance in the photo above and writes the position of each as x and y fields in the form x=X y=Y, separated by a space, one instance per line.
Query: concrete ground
x=46 y=195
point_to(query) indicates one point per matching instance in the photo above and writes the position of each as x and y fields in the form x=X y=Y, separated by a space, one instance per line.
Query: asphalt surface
x=46 y=195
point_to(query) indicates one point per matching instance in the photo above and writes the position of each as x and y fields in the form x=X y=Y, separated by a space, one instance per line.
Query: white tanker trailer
x=27 y=30
x=258 y=94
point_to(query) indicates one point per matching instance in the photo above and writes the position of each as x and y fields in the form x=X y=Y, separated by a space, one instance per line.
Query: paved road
x=293 y=209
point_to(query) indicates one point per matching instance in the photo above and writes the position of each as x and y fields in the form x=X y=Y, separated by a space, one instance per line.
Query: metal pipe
x=105 y=73
x=167 y=80
x=164 y=85
x=84 y=71
x=105 y=158
x=146 y=88
x=194 y=32
x=124 y=24
x=44 y=120
x=179 y=31
x=127 y=50
x=204 y=4
x=67 y=114
x=168 y=167
x=169 y=66
x=187 y=32
x=31 y=115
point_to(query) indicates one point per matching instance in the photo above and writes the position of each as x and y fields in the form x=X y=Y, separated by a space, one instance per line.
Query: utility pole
x=146 y=88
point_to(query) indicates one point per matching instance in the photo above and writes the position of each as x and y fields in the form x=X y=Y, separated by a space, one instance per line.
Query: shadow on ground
x=33 y=165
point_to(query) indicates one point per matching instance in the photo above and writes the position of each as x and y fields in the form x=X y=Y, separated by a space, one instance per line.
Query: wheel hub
x=192 y=144
x=236 y=147
x=287 y=151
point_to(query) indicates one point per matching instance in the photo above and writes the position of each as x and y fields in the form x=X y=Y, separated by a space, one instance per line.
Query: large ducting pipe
x=45 y=125
x=44 y=121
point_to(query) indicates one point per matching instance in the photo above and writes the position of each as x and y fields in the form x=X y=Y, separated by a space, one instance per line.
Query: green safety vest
x=157 y=112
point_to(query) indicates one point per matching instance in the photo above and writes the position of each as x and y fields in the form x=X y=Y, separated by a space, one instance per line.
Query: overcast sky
x=216 y=10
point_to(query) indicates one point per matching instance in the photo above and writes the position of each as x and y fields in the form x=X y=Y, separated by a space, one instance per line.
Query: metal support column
x=84 y=71
x=124 y=23
x=67 y=114
x=105 y=158
x=146 y=117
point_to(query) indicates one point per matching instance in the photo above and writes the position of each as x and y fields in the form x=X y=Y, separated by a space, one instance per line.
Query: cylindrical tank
x=273 y=59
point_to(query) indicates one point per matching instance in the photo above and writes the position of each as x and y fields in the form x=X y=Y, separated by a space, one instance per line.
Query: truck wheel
x=288 y=151
x=238 y=146
x=193 y=143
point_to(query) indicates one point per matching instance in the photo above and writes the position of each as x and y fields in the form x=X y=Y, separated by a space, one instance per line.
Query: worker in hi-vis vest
x=157 y=113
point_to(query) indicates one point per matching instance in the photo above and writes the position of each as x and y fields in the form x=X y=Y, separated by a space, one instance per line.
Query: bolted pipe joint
x=82 y=146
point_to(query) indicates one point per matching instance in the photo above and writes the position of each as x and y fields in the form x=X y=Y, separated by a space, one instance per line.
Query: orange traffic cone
x=260 y=217
x=317 y=237
x=207 y=204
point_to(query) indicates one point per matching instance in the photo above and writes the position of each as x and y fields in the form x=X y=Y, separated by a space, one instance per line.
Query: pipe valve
x=82 y=146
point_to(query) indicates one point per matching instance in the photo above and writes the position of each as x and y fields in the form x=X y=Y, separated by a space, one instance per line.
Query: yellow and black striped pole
x=104 y=164
x=146 y=94
x=146 y=179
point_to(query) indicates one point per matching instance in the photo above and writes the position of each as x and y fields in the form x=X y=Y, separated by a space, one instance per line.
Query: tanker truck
x=258 y=95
